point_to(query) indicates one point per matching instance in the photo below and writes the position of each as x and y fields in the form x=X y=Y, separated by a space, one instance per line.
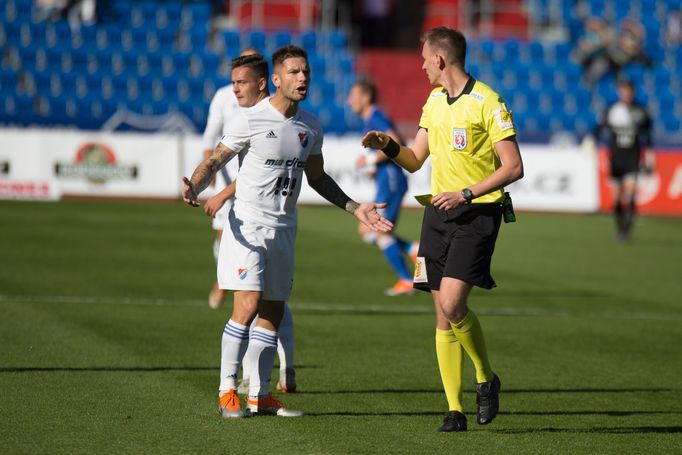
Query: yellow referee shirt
x=462 y=133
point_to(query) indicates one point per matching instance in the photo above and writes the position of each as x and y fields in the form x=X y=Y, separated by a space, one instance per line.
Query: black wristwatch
x=468 y=195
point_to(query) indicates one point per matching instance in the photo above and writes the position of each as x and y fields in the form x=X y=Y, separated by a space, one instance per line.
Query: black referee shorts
x=459 y=243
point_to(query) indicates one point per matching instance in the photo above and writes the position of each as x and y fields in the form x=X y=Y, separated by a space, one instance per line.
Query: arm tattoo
x=328 y=189
x=208 y=168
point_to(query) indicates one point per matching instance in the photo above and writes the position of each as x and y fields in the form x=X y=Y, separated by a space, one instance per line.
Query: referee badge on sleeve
x=459 y=138
x=420 y=271
x=504 y=118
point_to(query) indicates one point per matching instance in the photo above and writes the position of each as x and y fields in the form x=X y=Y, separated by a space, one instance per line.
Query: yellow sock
x=449 y=353
x=470 y=334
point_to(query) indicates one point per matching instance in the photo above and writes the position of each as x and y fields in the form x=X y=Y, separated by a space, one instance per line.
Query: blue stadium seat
x=279 y=39
x=671 y=124
x=536 y=51
x=256 y=39
x=181 y=60
x=9 y=79
x=198 y=36
x=635 y=73
x=63 y=31
x=308 y=41
x=197 y=13
x=122 y=10
x=173 y=9
x=338 y=40
x=317 y=65
x=210 y=62
x=511 y=49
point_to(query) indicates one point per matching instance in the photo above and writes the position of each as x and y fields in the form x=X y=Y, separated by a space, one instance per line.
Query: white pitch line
x=398 y=308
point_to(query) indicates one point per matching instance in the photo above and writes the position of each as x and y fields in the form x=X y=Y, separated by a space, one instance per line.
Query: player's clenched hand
x=189 y=195
x=447 y=201
x=213 y=204
x=375 y=140
x=368 y=215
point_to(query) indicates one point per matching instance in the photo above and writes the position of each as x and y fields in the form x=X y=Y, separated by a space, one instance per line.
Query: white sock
x=264 y=345
x=370 y=237
x=216 y=249
x=285 y=344
x=234 y=344
x=249 y=359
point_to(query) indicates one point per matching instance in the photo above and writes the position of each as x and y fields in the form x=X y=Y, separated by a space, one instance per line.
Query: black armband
x=392 y=149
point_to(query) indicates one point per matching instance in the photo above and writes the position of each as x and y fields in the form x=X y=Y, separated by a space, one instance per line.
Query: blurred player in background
x=249 y=85
x=391 y=186
x=629 y=126
x=222 y=108
x=277 y=142
x=469 y=133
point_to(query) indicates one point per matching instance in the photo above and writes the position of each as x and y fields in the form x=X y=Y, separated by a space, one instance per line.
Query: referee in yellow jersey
x=469 y=133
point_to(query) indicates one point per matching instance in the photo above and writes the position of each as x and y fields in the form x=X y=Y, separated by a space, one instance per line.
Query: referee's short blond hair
x=449 y=42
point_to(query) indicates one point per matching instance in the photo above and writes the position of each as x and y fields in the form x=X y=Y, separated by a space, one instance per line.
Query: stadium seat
x=277 y=40
x=257 y=40
x=308 y=41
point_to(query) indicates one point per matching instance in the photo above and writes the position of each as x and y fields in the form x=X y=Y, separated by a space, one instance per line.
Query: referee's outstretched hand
x=189 y=195
x=375 y=140
x=368 y=215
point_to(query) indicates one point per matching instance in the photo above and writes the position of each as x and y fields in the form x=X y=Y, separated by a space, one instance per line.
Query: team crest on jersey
x=459 y=138
x=242 y=273
x=303 y=137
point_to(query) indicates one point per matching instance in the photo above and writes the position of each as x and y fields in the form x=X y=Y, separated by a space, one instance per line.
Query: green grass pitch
x=108 y=345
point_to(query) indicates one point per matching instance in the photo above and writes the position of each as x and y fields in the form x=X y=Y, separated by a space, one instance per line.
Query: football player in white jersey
x=223 y=106
x=276 y=142
x=250 y=85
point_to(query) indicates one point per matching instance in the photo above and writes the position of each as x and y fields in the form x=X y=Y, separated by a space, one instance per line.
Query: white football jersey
x=272 y=152
x=223 y=107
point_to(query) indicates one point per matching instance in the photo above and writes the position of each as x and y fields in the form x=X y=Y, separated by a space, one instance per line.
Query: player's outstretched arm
x=410 y=159
x=326 y=187
x=204 y=173
x=216 y=202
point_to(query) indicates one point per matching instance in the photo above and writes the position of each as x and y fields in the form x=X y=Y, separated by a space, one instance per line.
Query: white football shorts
x=256 y=258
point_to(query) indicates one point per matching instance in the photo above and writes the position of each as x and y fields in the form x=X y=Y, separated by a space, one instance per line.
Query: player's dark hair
x=368 y=88
x=286 y=52
x=450 y=42
x=624 y=82
x=255 y=62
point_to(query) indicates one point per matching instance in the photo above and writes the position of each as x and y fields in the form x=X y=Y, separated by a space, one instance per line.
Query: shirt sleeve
x=214 y=123
x=238 y=133
x=424 y=121
x=319 y=139
x=382 y=122
x=497 y=119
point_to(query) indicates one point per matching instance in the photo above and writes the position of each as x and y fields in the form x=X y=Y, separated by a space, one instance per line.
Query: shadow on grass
x=602 y=430
x=98 y=369
x=504 y=391
x=524 y=413
x=114 y=369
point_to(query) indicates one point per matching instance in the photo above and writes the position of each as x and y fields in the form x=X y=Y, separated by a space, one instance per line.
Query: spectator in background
x=375 y=16
x=591 y=51
x=628 y=47
x=51 y=9
x=673 y=28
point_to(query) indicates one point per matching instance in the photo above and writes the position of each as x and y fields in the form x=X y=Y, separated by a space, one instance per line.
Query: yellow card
x=424 y=199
